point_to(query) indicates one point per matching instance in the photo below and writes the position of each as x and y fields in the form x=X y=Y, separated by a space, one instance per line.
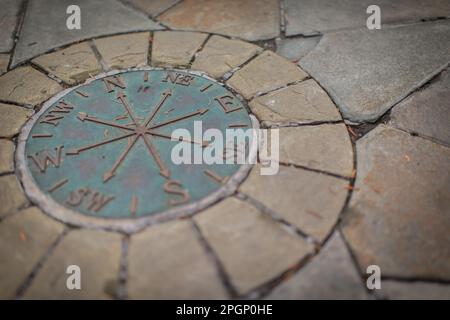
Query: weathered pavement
x=365 y=158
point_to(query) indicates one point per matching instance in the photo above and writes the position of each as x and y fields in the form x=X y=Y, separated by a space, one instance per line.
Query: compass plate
x=99 y=154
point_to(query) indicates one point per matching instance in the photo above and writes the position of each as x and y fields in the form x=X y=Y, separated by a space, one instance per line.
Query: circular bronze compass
x=101 y=153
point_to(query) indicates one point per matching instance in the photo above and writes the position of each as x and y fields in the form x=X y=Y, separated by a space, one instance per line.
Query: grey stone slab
x=399 y=213
x=44 y=26
x=367 y=72
x=252 y=248
x=427 y=112
x=330 y=275
x=308 y=200
x=396 y=290
x=296 y=48
x=9 y=16
x=250 y=19
x=318 y=16
x=167 y=261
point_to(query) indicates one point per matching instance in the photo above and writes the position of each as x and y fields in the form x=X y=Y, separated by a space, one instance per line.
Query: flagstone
x=250 y=20
x=398 y=217
x=367 y=72
x=253 y=248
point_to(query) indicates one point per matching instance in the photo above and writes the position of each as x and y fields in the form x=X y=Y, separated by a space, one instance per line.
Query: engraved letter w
x=44 y=158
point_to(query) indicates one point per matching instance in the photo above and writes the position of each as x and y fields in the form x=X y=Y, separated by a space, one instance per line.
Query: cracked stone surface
x=310 y=17
x=12 y=119
x=366 y=72
x=4 y=60
x=426 y=112
x=273 y=249
x=98 y=261
x=266 y=72
x=331 y=275
x=296 y=48
x=9 y=16
x=325 y=147
x=98 y=18
x=72 y=65
x=186 y=273
x=6 y=156
x=221 y=55
x=413 y=291
x=312 y=204
x=305 y=102
x=175 y=48
x=250 y=20
x=11 y=197
x=124 y=51
x=153 y=7
x=26 y=85
x=24 y=239
x=399 y=216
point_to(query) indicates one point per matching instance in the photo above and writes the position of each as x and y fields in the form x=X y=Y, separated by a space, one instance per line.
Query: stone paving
x=364 y=175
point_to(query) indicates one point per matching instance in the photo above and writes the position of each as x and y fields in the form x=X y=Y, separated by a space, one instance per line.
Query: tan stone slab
x=24 y=240
x=251 y=19
x=6 y=156
x=11 y=196
x=153 y=7
x=27 y=86
x=167 y=262
x=266 y=72
x=305 y=102
x=311 y=201
x=12 y=119
x=399 y=214
x=124 y=51
x=175 y=48
x=324 y=147
x=221 y=55
x=331 y=275
x=72 y=65
x=4 y=60
x=252 y=247
x=97 y=253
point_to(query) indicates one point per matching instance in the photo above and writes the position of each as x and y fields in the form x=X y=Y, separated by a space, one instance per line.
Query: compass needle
x=104 y=122
x=189 y=115
x=162 y=135
x=163 y=170
x=76 y=151
x=109 y=174
x=121 y=96
x=165 y=95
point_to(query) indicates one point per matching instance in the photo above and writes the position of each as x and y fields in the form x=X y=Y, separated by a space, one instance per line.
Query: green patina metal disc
x=103 y=149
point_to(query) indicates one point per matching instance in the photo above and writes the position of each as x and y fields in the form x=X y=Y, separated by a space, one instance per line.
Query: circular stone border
x=126 y=225
x=226 y=281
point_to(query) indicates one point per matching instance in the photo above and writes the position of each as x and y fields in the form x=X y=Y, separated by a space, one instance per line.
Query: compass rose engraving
x=103 y=150
x=144 y=130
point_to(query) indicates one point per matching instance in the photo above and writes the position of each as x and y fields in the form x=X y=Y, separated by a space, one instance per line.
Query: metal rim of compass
x=126 y=225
